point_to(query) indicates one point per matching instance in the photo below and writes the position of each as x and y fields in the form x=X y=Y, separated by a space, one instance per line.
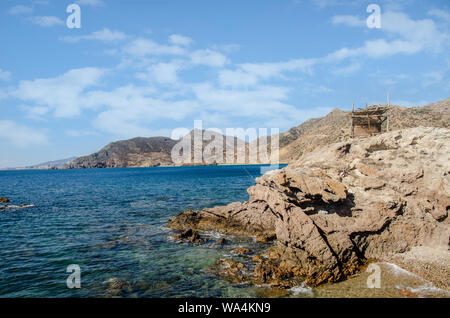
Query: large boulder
x=342 y=205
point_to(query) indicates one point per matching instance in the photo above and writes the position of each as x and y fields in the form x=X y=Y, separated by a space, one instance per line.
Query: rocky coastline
x=340 y=207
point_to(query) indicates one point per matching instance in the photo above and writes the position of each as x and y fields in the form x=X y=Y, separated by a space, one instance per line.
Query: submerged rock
x=231 y=270
x=221 y=241
x=190 y=235
x=394 y=195
x=117 y=287
x=4 y=200
x=241 y=250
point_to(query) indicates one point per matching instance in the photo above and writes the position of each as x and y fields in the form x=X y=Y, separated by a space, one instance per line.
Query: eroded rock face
x=341 y=205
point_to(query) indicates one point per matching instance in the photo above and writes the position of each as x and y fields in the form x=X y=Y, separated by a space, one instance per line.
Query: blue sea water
x=113 y=224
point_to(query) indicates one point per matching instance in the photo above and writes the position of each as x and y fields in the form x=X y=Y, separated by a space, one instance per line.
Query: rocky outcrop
x=190 y=236
x=4 y=200
x=343 y=205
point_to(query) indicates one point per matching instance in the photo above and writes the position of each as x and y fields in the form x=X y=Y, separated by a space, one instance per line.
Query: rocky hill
x=335 y=127
x=151 y=152
x=136 y=152
x=339 y=207
x=313 y=133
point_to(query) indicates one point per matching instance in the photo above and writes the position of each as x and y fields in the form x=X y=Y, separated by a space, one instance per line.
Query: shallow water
x=112 y=223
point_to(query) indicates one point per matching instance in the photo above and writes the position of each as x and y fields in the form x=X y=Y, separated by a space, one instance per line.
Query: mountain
x=335 y=127
x=56 y=164
x=136 y=152
x=148 y=152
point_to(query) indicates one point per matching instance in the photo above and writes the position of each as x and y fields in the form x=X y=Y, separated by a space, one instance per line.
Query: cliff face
x=137 y=152
x=341 y=205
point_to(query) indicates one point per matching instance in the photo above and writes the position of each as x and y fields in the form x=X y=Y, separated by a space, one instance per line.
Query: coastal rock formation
x=189 y=235
x=342 y=205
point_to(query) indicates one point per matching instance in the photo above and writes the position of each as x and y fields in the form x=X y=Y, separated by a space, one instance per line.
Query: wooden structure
x=369 y=120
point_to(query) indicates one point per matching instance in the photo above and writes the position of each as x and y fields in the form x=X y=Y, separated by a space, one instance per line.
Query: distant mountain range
x=334 y=127
x=56 y=164
x=142 y=152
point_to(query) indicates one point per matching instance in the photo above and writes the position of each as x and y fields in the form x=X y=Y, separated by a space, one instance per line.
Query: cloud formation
x=104 y=35
x=20 y=135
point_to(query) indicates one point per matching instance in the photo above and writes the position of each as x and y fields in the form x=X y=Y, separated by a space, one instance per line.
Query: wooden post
x=352 y=130
x=389 y=103
x=387 y=121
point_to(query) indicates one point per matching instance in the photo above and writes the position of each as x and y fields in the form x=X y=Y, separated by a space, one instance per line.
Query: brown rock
x=190 y=235
x=4 y=200
x=241 y=250
x=231 y=270
x=221 y=241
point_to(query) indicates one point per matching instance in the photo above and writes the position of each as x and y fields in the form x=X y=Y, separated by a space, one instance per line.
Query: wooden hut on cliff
x=369 y=120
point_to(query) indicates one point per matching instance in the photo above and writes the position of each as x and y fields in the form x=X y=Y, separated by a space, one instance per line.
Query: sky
x=144 y=68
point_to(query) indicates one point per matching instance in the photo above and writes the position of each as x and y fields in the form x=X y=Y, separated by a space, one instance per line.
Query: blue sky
x=144 y=68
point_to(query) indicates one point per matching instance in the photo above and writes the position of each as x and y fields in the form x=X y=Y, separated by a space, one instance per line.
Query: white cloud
x=347 y=70
x=180 y=40
x=130 y=111
x=143 y=47
x=61 y=94
x=349 y=20
x=5 y=75
x=20 y=135
x=46 y=21
x=249 y=74
x=441 y=14
x=208 y=57
x=20 y=9
x=237 y=78
x=409 y=37
x=104 y=35
x=165 y=73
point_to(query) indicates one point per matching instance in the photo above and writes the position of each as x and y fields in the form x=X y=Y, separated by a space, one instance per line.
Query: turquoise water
x=112 y=223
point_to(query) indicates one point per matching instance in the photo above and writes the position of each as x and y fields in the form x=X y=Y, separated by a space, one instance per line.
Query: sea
x=111 y=226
